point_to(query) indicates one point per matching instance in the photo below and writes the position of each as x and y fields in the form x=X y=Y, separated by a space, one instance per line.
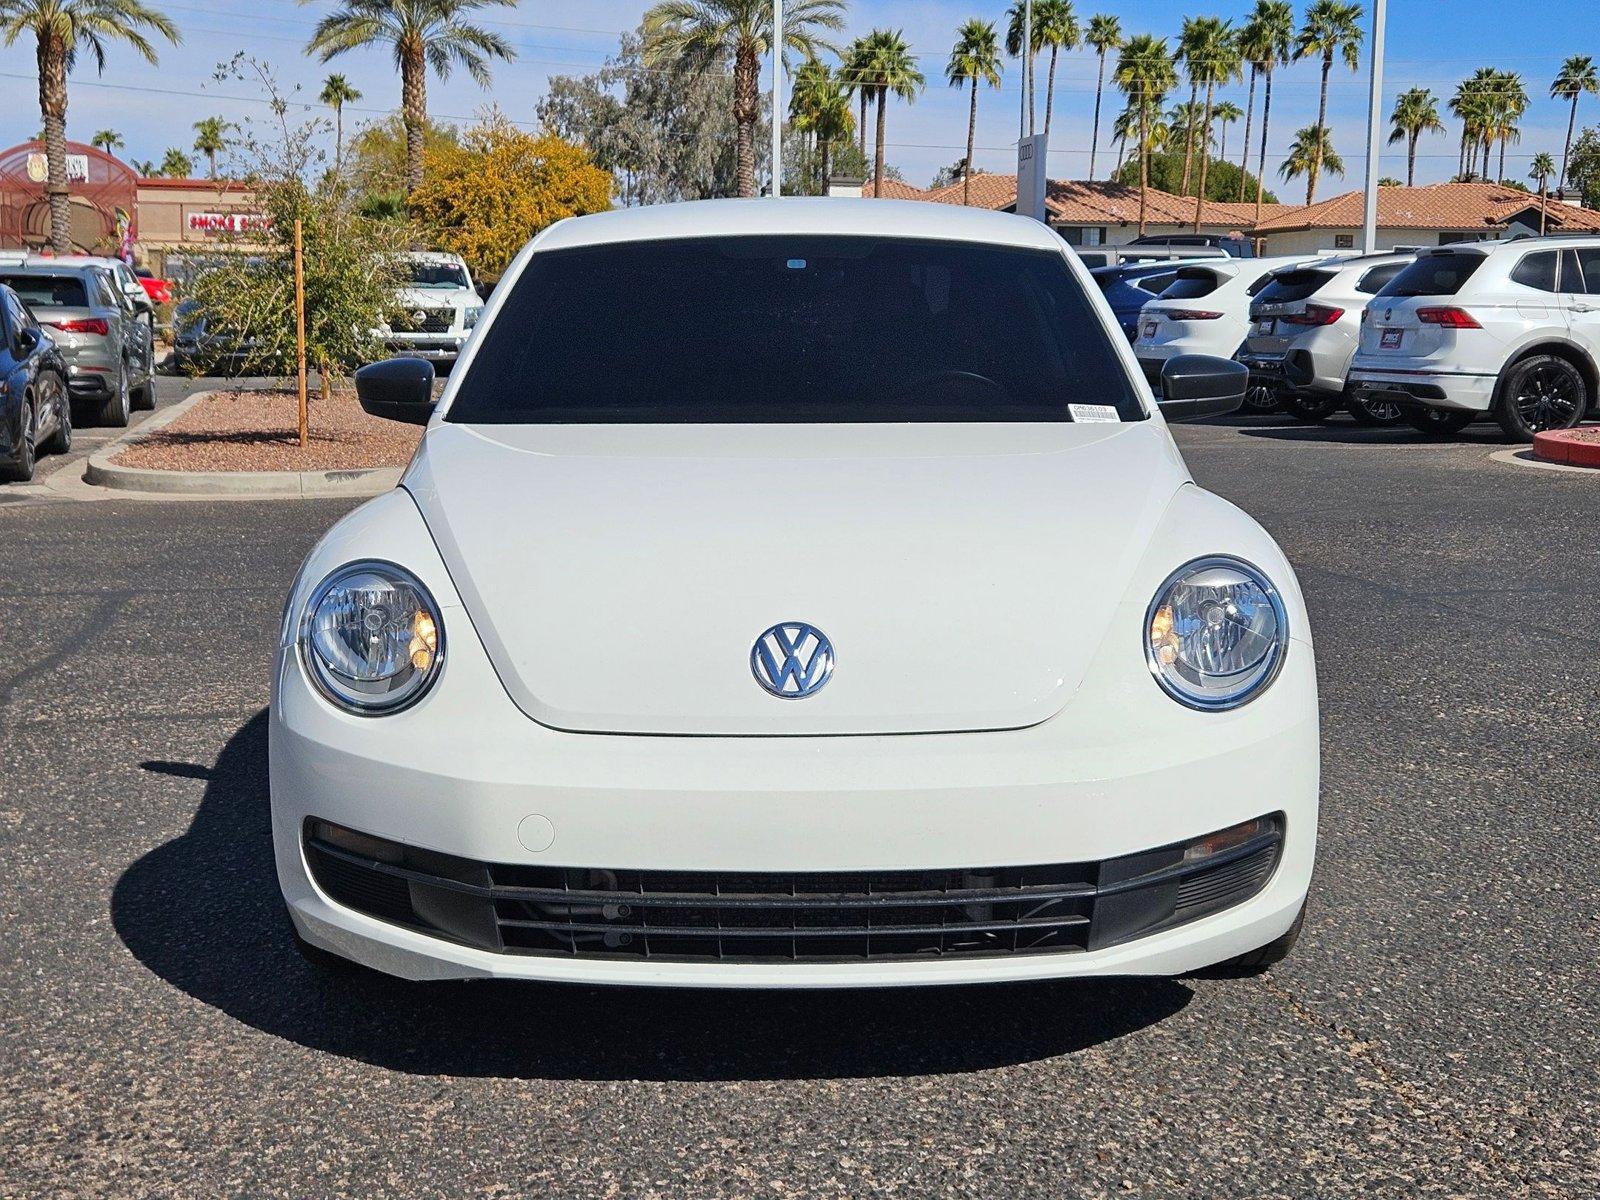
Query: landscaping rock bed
x=256 y=431
x=1571 y=447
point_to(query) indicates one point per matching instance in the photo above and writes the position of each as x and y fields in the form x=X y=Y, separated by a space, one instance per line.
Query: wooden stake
x=300 y=329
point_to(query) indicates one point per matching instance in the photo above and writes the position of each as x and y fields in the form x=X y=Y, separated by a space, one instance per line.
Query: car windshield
x=793 y=329
x=48 y=291
x=1434 y=275
x=447 y=276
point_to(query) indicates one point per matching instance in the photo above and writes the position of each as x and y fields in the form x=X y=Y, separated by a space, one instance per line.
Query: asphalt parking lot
x=1436 y=1034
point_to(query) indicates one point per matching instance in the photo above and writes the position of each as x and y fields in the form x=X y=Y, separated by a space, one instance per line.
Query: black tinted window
x=792 y=329
x=1190 y=285
x=48 y=291
x=1156 y=284
x=1589 y=261
x=1285 y=287
x=1378 y=277
x=1536 y=271
x=1434 y=275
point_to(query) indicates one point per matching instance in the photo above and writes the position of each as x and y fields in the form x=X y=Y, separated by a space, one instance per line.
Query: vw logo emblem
x=792 y=660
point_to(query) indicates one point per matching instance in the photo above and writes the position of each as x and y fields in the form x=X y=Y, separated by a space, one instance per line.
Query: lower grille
x=840 y=916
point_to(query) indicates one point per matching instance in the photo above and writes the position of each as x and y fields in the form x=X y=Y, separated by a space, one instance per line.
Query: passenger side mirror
x=27 y=339
x=397 y=389
x=1201 y=385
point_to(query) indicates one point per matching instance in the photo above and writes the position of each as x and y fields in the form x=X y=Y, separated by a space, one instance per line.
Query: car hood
x=620 y=576
x=436 y=297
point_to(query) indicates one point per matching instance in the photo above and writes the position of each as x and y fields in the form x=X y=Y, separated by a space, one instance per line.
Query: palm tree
x=108 y=140
x=1577 y=76
x=1218 y=62
x=1104 y=36
x=852 y=69
x=975 y=57
x=819 y=107
x=1054 y=25
x=176 y=164
x=61 y=29
x=1416 y=112
x=337 y=91
x=420 y=34
x=887 y=67
x=1311 y=153
x=1267 y=40
x=1224 y=114
x=1472 y=105
x=1510 y=104
x=1543 y=167
x=1188 y=48
x=1331 y=27
x=717 y=30
x=211 y=139
x=1145 y=73
x=145 y=168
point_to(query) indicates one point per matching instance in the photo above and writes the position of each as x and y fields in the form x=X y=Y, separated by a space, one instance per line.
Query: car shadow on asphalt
x=1349 y=433
x=204 y=913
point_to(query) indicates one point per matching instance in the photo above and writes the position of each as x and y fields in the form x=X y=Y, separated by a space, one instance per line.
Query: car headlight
x=1216 y=633
x=470 y=317
x=371 y=638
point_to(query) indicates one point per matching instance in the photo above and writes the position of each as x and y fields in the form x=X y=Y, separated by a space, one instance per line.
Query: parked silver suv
x=105 y=338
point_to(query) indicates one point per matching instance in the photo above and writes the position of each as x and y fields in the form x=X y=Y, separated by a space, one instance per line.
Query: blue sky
x=1432 y=43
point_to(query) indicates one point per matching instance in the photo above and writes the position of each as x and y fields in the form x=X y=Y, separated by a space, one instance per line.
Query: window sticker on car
x=1390 y=339
x=1087 y=413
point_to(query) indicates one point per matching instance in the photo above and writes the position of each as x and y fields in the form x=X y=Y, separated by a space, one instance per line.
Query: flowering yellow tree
x=486 y=196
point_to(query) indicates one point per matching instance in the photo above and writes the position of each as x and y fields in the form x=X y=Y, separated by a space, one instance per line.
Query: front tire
x=1438 y=422
x=20 y=468
x=147 y=394
x=1310 y=408
x=1262 y=959
x=1373 y=409
x=1540 y=393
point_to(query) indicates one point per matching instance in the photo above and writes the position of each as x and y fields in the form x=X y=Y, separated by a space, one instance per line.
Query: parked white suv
x=1510 y=329
x=434 y=310
x=1205 y=310
x=1304 y=326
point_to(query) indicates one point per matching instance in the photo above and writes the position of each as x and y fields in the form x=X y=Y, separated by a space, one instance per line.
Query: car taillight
x=1190 y=314
x=96 y=325
x=1450 y=318
x=1315 y=314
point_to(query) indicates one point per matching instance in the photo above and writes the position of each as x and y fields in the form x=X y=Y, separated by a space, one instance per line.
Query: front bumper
x=433 y=347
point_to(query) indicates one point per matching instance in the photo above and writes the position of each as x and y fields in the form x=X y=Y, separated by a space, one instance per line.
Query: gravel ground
x=1437 y=1034
x=257 y=431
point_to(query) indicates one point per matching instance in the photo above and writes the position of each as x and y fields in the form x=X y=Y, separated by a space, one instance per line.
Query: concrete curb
x=266 y=485
x=1522 y=456
x=1560 y=446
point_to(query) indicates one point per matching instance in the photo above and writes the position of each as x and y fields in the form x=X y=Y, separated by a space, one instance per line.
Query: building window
x=1082 y=235
x=1344 y=241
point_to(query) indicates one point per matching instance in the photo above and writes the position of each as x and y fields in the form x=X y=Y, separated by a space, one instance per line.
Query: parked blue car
x=1128 y=287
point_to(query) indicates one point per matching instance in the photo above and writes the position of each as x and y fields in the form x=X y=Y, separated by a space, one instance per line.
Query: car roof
x=835 y=215
x=50 y=266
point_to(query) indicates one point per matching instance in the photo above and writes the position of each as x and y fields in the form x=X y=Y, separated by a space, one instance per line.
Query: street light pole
x=777 y=98
x=1369 y=241
x=1027 y=69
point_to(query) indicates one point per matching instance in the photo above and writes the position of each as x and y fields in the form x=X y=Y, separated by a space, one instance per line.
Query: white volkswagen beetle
x=795 y=593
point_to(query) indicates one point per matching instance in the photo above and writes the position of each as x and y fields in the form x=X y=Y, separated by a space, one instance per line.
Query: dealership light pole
x=777 y=98
x=1027 y=69
x=1369 y=241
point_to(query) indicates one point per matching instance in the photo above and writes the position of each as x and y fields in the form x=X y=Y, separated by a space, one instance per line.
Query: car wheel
x=1260 y=960
x=61 y=440
x=1540 y=393
x=20 y=468
x=115 y=410
x=1438 y=420
x=1373 y=408
x=1260 y=399
x=147 y=394
x=1310 y=408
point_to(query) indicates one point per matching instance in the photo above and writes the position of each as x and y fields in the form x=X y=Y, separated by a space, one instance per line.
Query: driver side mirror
x=397 y=389
x=27 y=339
x=1201 y=385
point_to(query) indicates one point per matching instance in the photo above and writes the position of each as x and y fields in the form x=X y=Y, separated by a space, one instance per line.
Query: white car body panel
x=613 y=579
x=1161 y=337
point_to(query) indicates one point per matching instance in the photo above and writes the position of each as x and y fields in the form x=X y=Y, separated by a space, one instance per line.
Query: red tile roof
x=893 y=189
x=1437 y=206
